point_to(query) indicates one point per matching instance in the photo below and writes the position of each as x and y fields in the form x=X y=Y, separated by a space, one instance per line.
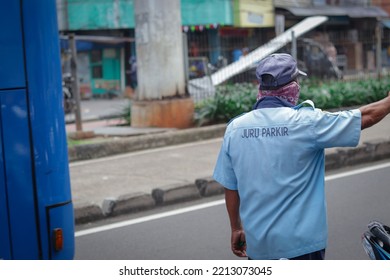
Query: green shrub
x=126 y=114
x=234 y=99
x=338 y=94
x=228 y=102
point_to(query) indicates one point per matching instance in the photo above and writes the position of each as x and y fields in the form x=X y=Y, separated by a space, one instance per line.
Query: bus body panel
x=11 y=46
x=46 y=114
x=35 y=190
x=5 y=244
x=46 y=99
x=18 y=174
x=58 y=217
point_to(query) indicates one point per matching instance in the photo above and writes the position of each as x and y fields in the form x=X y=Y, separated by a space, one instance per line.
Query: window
x=96 y=56
x=97 y=72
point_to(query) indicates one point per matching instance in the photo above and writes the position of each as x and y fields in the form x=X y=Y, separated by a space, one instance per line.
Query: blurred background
x=219 y=32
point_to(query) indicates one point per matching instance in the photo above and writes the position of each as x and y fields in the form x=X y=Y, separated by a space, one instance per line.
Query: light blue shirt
x=274 y=158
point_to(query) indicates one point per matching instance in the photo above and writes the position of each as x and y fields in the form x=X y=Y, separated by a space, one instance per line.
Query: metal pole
x=75 y=82
x=185 y=55
x=293 y=46
x=378 y=32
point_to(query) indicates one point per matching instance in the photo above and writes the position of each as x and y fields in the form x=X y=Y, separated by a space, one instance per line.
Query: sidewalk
x=155 y=172
x=99 y=109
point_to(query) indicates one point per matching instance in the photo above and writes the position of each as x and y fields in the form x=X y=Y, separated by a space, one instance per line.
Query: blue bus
x=36 y=210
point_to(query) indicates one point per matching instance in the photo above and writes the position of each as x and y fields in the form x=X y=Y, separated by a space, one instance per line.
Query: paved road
x=354 y=198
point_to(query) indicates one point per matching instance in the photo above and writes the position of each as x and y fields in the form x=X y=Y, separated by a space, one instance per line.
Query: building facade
x=212 y=28
x=217 y=32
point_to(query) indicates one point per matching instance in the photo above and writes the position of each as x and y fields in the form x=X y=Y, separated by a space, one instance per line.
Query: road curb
x=205 y=187
x=175 y=193
x=85 y=213
x=132 y=203
x=208 y=187
x=373 y=150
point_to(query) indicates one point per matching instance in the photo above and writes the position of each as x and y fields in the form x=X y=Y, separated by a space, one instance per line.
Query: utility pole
x=294 y=46
x=161 y=99
x=378 y=31
x=75 y=82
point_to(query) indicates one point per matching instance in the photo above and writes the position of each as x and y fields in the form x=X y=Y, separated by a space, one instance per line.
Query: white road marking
x=357 y=171
x=150 y=218
x=210 y=204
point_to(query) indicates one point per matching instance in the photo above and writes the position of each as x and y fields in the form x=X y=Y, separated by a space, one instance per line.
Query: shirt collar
x=271 y=102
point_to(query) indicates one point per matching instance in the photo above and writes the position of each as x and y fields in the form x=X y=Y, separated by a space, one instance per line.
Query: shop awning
x=89 y=42
x=352 y=12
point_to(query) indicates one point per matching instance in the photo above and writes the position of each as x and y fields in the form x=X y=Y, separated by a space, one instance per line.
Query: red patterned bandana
x=289 y=92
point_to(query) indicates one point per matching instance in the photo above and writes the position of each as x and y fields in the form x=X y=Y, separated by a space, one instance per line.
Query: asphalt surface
x=133 y=169
x=198 y=231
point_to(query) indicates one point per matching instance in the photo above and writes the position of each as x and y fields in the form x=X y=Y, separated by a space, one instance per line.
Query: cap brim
x=302 y=73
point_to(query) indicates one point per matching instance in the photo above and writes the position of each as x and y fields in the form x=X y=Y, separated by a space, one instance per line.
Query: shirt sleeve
x=223 y=171
x=341 y=129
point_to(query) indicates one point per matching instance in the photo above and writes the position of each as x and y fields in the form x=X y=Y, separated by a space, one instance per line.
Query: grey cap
x=277 y=70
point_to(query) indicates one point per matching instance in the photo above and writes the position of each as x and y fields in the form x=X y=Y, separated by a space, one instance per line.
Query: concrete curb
x=175 y=193
x=206 y=187
x=373 y=150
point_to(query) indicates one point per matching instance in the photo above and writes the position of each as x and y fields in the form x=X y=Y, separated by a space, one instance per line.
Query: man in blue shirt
x=271 y=164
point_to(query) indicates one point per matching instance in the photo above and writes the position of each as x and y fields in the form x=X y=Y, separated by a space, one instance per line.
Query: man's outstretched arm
x=375 y=112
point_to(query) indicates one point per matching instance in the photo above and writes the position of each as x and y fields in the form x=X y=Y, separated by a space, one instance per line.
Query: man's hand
x=238 y=243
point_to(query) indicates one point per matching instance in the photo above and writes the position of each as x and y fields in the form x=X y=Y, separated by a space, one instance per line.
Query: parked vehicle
x=69 y=101
x=198 y=67
x=312 y=58
x=376 y=241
